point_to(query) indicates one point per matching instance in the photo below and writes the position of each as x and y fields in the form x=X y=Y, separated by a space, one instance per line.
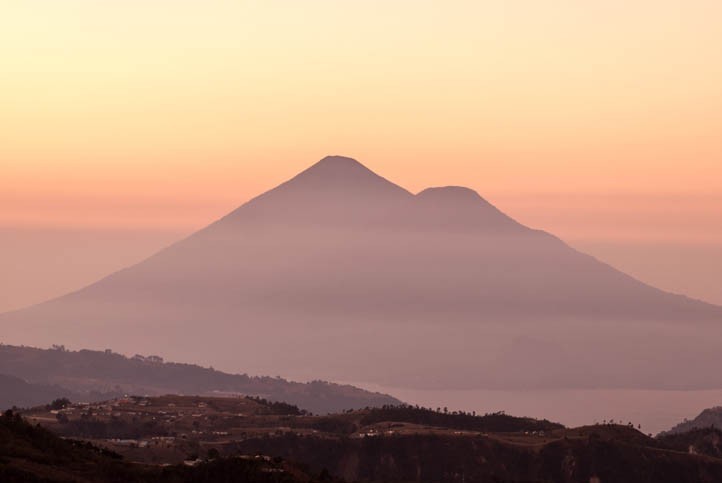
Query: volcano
x=339 y=273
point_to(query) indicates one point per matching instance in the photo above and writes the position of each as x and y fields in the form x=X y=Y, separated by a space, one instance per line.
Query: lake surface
x=654 y=410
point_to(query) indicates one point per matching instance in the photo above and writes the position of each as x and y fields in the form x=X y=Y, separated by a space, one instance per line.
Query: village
x=172 y=424
x=172 y=429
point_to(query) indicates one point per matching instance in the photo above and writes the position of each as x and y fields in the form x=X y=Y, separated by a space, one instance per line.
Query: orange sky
x=593 y=120
x=149 y=111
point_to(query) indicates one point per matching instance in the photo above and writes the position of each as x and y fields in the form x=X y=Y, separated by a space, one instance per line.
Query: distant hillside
x=94 y=374
x=16 y=392
x=709 y=418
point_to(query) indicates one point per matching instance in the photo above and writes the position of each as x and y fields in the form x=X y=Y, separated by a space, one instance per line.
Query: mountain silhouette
x=339 y=273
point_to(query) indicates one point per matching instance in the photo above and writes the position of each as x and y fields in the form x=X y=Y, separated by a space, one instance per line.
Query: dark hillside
x=706 y=441
x=446 y=458
x=30 y=454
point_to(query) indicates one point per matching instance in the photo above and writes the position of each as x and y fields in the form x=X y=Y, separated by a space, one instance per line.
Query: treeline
x=441 y=417
x=277 y=408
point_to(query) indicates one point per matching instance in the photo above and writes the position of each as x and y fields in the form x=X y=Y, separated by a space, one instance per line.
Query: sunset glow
x=173 y=112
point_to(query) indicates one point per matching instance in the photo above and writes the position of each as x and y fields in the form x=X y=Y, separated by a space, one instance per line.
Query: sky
x=127 y=124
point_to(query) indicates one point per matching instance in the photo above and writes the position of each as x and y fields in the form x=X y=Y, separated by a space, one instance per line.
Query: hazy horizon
x=47 y=260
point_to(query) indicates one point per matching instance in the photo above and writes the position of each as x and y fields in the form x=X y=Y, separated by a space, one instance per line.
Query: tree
x=60 y=403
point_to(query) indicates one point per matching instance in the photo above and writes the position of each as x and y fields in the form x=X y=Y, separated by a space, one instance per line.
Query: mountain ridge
x=41 y=375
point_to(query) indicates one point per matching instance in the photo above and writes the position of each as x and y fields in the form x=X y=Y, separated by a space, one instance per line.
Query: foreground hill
x=393 y=443
x=705 y=441
x=340 y=274
x=94 y=375
x=31 y=454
